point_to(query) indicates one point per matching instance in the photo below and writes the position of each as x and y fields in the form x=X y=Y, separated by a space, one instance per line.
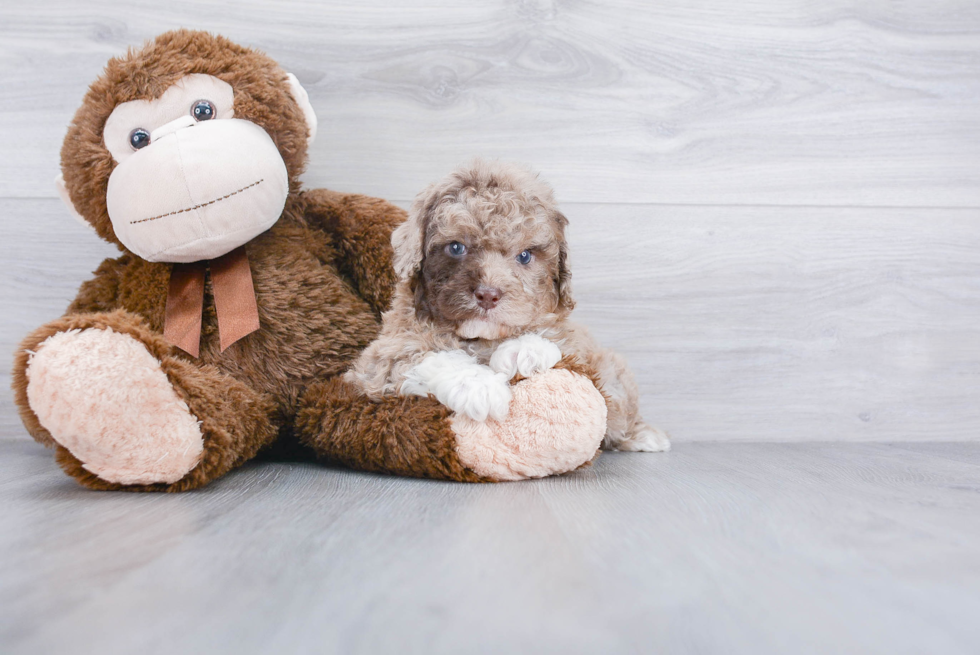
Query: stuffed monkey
x=239 y=299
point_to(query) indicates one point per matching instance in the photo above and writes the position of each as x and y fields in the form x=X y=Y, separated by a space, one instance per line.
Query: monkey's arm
x=101 y=293
x=361 y=227
x=556 y=424
x=399 y=435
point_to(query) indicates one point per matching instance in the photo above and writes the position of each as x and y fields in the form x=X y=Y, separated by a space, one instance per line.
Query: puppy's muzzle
x=487 y=297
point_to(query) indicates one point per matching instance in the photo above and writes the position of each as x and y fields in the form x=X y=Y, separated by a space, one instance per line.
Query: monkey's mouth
x=200 y=205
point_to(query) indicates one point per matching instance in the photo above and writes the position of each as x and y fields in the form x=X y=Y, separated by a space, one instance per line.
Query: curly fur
x=497 y=210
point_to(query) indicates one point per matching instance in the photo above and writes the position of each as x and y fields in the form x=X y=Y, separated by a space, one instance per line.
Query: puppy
x=484 y=294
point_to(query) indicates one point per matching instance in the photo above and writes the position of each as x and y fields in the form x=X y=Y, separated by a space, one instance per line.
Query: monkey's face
x=191 y=181
x=186 y=148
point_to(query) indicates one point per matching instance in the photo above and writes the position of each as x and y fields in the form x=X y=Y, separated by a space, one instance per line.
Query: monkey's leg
x=555 y=424
x=125 y=413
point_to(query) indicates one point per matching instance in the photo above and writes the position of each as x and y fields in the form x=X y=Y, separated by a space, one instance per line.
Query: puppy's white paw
x=527 y=354
x=459 y=383
x=647 y=440
x=480 y=396
x=434 y=370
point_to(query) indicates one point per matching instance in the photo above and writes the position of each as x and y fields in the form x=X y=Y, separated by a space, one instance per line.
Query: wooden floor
x=715 y=547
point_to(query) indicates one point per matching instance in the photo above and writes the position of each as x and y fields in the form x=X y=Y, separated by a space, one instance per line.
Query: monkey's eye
x=203 y=110
x=139 y=138
x=524 y=257
x=455 y=249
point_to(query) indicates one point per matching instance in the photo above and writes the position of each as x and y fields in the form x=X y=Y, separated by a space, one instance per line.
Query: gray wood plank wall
x=775 y=206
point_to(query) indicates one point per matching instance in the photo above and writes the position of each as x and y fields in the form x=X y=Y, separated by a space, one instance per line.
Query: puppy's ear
x=408 y=239
x=563 y=278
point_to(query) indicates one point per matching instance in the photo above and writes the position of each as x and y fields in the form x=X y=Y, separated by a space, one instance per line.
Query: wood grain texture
x=833 y=103
x=734 y=548
x=762 y=323
x=741 y=323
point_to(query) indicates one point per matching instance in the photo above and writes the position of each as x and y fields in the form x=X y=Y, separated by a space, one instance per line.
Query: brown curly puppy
x=483 y=296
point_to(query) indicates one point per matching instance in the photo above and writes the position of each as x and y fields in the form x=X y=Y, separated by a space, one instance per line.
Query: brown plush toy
x=238 y=299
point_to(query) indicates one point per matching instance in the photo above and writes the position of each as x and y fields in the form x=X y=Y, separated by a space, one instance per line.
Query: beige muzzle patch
x=198 y=191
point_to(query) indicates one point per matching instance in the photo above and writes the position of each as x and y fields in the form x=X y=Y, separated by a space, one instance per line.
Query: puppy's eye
x=524 y=257
x=455 y=249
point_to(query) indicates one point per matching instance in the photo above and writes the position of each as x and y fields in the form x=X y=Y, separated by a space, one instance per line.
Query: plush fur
x=110 y=401
x=322 y=276
x=262 y=96
x=235 y=421
x=483 y=267
x=536 y=437
x=547 y=433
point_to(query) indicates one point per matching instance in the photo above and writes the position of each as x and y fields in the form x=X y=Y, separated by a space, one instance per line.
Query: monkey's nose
x=487 y=297
x=171 y=127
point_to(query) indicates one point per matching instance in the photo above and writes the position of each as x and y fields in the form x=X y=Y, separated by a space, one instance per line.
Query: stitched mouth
x=203 y=204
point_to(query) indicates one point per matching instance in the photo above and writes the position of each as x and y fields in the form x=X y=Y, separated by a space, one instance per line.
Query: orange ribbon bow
x=234 y=301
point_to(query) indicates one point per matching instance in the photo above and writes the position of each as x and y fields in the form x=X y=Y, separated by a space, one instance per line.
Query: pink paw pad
x=105 y=398
x=556 y=423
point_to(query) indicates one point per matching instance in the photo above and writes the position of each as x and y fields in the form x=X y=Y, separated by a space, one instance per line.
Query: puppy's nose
x=487 y=297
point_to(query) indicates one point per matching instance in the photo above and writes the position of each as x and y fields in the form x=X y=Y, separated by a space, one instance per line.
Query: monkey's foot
x=556 y=423
x=105 y=398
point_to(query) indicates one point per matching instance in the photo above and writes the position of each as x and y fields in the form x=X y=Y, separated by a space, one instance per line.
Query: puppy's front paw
x=459 y=383
x=479 y=396
x=527 y=354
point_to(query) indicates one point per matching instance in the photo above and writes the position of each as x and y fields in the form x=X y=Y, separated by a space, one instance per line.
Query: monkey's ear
x=59 y=183
x=302 y=99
